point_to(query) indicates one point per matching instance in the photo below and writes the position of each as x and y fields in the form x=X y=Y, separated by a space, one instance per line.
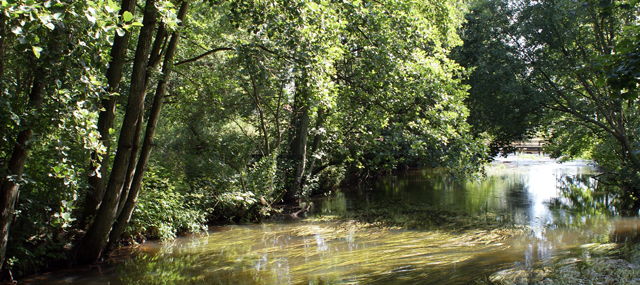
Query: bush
x=167 y=207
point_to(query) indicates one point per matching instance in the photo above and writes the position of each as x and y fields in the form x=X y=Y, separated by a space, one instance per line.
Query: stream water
x=315 y=252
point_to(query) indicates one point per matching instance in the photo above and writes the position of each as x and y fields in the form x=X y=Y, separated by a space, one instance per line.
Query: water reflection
x=344 y=252
x=521 y=187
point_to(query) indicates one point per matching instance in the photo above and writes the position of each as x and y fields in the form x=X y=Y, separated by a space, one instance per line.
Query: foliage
x=63 y=46
x=562 y=50
x=362 y=87
x=166 y=208
x=624 y=70
x=503 y=108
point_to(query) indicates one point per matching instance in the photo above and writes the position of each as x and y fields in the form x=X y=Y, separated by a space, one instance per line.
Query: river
x=313 y=251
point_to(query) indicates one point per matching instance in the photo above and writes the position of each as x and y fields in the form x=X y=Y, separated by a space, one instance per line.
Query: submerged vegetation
x=421 y=216
x=148 y=119
x=598 y=264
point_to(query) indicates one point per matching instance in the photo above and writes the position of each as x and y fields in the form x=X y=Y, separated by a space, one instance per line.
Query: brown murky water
x=308 y=252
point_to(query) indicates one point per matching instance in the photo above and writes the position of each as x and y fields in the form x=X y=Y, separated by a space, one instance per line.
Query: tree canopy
x=153 y=117
x=567 y=67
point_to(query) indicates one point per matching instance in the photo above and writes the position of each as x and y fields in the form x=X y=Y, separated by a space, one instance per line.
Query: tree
x=49 y=66
x=624 y=71
x=100 y=161
x=93 y=243
x=503 y=107
x=128 y=201
x=565 y=47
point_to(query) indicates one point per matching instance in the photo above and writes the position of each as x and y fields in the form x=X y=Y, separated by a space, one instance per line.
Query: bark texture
x=158 y=100
x=11 y=178
x=298 y=147
x=105 y=123
x=90 y=248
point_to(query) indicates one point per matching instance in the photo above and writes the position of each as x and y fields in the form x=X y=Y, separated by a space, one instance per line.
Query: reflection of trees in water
x=515 y=194
x=584 y=205
x=496 y=191
x=582 y=194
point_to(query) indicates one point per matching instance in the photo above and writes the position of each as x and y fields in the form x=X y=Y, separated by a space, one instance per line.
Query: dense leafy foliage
x=568 y=66
x=166 y=115
x=264 y=101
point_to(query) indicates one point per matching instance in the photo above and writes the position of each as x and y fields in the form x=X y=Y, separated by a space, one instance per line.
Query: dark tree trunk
x=131 y=168
x=2 y=50
x=91 y=246
x=154 y=59
x=147 y=145
x=11 y=178
x=105 y=122
x=298 y=147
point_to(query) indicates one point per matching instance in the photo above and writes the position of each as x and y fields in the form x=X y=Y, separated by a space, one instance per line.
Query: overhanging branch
x=203 y=55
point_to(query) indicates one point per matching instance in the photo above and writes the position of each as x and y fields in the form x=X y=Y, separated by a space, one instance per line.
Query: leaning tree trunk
x=131 y=168
x=105 y=122
x=155 y=56
x=132 y=197
x=91 y=246
x=298 y=147
x=10 y=180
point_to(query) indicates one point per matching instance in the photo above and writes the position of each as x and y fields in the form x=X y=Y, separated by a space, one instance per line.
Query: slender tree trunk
x=3 y=57
x=147 y=145
x=315 y=145
x=2 y=50
x=155 y=56
x=263 y=124
x=131 y=168
x=91 y=246
x=11 y=178
x=97 y=175
x=298 y=147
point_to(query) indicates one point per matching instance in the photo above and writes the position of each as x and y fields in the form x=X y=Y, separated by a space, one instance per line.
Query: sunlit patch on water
x=353 y=252
x=303 y=253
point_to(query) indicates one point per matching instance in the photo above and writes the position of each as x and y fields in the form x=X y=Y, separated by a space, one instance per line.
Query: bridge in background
x=533 y=146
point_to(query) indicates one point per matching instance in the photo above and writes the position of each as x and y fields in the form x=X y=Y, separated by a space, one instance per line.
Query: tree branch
x=203 y=55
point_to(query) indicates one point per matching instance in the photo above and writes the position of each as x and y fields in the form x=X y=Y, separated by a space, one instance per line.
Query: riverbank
x=417 y=226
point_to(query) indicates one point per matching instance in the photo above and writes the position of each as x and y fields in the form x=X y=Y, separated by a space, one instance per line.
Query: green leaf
x=127 y=16
x=17 y=30
x=36 y=51
x=112 y=6
x=137 y=24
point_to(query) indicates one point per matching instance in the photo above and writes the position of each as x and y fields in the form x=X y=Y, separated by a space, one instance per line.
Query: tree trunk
x=105 y=122
x=263 y=124
x=315 y=145
x=11 y=179
x=2 y=50
x=131 y=168
x=147 y=145
x=298 y=147
x=91 y=246
x=154 y=59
